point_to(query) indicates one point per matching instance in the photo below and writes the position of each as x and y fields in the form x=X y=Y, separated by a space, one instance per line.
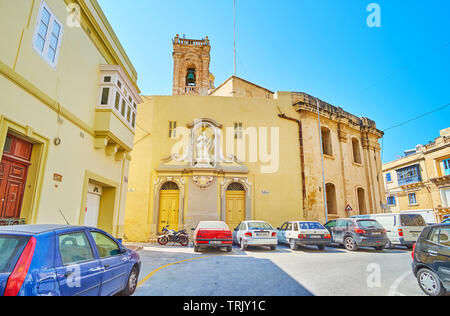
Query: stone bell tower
x=191 y=59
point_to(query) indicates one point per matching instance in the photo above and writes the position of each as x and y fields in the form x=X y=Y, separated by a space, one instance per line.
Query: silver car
x=255 y=233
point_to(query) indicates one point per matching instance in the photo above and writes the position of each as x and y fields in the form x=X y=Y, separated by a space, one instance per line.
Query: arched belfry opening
x=191 y=78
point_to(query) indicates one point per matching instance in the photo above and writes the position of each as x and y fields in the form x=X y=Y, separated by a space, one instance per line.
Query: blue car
x=51 y=260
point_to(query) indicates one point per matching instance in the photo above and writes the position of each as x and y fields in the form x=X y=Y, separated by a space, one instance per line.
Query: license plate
x=315 y=236
x=262 y=234
x=376 y=234
x=215 y=242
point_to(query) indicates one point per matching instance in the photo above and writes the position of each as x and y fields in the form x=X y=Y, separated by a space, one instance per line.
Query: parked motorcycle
x=170 y=235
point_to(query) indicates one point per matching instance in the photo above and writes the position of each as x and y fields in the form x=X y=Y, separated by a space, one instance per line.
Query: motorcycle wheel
x=184 y=241
x=162 y=240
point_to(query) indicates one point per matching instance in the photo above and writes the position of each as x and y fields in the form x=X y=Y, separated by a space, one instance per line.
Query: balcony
x=116 y=111
x=409 y=175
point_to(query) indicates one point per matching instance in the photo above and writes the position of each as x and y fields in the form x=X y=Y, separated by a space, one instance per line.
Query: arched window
x=331 y=199
x=191 y=77
x=361 y=201
x=356 y=151
x=169 y=186
x=235 y=186
x=326 y=142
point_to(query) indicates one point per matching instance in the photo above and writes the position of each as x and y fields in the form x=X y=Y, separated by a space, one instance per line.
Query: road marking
x=168 y=265
x=393 y=291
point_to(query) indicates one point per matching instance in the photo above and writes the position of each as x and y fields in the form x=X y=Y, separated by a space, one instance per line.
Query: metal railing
x=12 y=221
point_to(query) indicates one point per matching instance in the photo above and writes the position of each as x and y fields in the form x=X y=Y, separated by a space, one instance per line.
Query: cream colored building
x=67 y=116
x=241 y=151
x=421 y=179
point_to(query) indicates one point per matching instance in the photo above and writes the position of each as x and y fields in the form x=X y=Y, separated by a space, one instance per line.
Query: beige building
x=421 y=179
x=67 y=116
x=241 y=151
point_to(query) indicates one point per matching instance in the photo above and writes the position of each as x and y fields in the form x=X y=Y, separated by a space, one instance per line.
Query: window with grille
x=169 y=186
x=235 y=187
x=412 y=199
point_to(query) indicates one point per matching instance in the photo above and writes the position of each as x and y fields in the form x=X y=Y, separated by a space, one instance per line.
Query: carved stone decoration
x=203 y=181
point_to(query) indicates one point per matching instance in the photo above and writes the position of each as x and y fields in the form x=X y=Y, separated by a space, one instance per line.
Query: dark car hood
x=3 y=280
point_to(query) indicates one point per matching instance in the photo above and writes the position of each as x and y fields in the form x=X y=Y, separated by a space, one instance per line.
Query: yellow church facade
x=67 y=116
x=240 y=151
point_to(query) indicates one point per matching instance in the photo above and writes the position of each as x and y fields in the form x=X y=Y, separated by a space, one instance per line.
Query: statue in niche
x=204 y=149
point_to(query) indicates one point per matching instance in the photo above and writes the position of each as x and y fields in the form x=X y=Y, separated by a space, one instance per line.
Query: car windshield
x=311 y=225
x=412 y=220
x=259 y=225
x=212 y=225
x=10 y=249
x=369 y=224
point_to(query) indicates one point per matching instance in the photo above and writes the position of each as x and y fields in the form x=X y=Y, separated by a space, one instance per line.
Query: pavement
x=178 y=271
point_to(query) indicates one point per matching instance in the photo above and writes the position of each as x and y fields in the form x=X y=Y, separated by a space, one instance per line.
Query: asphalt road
x=179 y=271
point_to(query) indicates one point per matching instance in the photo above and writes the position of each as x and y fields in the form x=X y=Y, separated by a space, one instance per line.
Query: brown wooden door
x=13 y=176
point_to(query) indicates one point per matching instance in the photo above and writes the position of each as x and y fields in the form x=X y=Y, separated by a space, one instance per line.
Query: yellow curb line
x=168 y=265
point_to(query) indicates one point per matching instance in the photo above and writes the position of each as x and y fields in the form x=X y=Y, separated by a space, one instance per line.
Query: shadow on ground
x=215 y=274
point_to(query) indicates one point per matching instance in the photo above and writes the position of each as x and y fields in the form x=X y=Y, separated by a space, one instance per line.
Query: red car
x=213 y=234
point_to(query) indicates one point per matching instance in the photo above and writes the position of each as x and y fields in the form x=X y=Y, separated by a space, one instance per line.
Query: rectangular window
x=107 y=79
x=117 y=102
x=48 y=35
x=388 y=177
x=105 y=96
x=238 y=131
x=129 y=115
x=133 y=120
x=124 y=108
x=391 y=200
x=412 y=199
x=446 y=165
x=172 y=129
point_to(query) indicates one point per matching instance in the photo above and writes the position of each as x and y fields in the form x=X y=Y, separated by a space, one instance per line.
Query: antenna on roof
x=234 y=35
x=64 y=217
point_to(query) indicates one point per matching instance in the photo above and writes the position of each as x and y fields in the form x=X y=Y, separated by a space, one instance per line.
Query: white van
x=428 y=215
x=402 y=229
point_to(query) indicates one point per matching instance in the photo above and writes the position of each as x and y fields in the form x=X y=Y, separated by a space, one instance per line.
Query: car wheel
x=350 y=244
x=379 y=248
x=229 y=249
x=389 y=245
x=321 y=247
x=274 y=247
x=132 y=283
x=196 y=248
x=292 y=244
x=429 y=283
x=243 y=245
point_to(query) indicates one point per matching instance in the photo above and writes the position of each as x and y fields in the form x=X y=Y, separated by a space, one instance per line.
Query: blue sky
x=322 y=47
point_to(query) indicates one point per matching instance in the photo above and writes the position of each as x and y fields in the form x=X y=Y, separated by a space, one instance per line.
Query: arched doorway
x=169 y=203
x=235 y=204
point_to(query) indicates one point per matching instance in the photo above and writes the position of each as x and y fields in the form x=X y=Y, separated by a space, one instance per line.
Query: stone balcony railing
x=191 y=90
x=191 y=42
